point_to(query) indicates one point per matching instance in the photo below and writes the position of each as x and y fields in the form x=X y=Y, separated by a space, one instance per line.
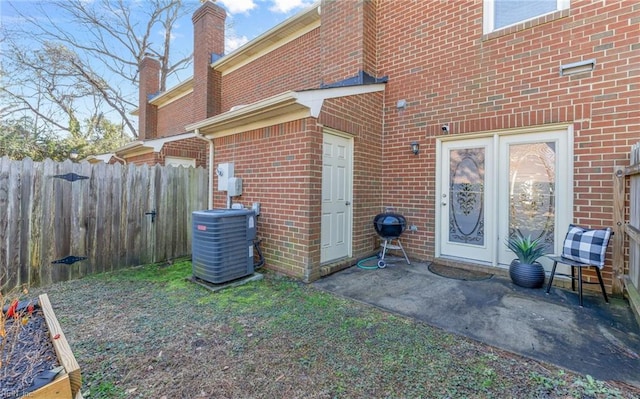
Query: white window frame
x=179 y=161
x=488 y=13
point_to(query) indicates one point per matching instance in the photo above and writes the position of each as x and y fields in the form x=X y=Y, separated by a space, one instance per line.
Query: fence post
x=618 y=229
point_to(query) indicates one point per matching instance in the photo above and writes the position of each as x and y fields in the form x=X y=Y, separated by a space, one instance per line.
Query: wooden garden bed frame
x=67 y=384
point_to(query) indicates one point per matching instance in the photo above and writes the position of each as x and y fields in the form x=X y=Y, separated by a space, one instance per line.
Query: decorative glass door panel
x=532 y=189
x=466 y=195
x=536 y=188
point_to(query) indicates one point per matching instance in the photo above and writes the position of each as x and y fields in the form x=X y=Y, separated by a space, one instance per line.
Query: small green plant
x=594 y=388
x=527 y=250
x=107 y=389
x=549 y=382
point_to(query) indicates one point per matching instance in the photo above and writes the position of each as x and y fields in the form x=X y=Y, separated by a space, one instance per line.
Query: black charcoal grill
x=390 y=226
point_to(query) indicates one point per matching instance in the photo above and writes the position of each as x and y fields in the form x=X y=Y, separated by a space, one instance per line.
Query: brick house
x=520 y=115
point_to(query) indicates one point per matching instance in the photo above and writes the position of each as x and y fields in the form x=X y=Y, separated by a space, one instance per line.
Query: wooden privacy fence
x=61 y=221
x=628 y=228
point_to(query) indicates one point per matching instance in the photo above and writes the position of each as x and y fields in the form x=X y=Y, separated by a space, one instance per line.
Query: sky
x=250 y=18
x=246 y=19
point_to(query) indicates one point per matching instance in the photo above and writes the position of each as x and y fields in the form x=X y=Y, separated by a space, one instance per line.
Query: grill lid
x=389 y=225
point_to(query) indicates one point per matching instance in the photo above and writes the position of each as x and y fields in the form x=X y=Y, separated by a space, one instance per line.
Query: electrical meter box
x=234 y=188
x=224 y=172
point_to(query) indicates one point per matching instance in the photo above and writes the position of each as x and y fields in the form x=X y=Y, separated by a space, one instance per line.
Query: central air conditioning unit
x=222 y=244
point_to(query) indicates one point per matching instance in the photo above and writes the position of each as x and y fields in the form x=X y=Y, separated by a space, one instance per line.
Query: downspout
x=124 y=161
x=200 y=136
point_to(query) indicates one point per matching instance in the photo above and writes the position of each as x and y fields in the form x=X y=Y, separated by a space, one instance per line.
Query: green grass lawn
x=149 y=333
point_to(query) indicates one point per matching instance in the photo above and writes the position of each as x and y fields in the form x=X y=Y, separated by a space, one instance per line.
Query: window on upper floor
x=499 y=14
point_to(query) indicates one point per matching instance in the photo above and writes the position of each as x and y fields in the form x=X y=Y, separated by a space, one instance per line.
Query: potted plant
x=525 y=271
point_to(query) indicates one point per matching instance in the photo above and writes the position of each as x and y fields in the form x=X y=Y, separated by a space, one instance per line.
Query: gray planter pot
x=526 y=275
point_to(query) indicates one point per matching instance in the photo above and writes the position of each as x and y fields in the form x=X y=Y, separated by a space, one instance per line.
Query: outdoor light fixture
x=415 y=148
x=73 y=155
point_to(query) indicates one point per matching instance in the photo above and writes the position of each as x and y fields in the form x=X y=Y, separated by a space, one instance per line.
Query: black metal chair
x=583 y=248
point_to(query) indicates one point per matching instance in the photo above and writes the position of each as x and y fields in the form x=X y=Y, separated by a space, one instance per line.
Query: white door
x=466 y=199
x=497 y=186
x=535 y=190
x=336 y=198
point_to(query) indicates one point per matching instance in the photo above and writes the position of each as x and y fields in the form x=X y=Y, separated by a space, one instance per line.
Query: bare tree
x=86 y=56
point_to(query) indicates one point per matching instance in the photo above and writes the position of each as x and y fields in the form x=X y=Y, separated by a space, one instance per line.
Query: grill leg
x=384 y=249
x=404 y=253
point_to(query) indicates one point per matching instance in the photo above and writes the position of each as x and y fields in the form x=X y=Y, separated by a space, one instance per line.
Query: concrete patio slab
x=600 y=339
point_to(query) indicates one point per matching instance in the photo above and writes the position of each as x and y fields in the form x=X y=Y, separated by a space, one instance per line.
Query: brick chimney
x=208 y=46
x=149 y=86
x=348 y=39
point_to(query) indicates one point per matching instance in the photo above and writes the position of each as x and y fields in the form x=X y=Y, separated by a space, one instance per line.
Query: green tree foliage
x=20 y=138
x=100 y=137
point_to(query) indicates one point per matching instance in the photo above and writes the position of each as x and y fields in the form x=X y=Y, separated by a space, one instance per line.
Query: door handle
x=153 y=215
x=347 y=203
x=444 y=203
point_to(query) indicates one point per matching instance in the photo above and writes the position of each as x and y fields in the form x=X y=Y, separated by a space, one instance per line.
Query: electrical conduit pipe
x=200 y=136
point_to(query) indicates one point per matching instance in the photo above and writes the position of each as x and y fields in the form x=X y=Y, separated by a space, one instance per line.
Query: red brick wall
x=208 y=39
x=281 y=168
x=173 y=117
x=144 y=159
x=294 y=66
x=361 y=116
x=438 y=60
x=193 y=148
x=369 y=42
x=149 y=85
x=261 y=79
x=345 y=51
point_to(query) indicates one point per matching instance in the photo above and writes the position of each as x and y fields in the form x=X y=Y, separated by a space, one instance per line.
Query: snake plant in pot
x=525 y=271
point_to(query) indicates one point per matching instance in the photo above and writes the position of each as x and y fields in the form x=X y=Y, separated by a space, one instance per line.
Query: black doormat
x=457 y=273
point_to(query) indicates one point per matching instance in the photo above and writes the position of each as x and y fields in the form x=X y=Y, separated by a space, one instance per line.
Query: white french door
x=466 y=199
x=536 y=189
x=500 y=185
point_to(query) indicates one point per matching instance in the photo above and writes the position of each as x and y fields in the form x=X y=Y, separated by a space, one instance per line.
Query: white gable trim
x=287 y=106
x=154 y=145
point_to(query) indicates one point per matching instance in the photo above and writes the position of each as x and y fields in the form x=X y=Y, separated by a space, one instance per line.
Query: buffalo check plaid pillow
x=586 y=245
